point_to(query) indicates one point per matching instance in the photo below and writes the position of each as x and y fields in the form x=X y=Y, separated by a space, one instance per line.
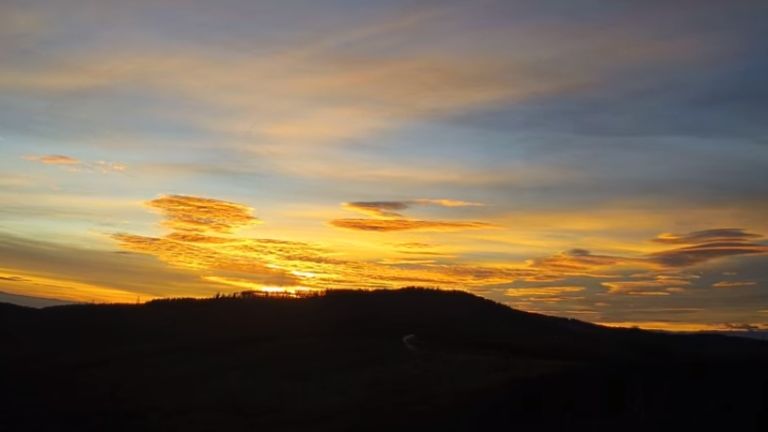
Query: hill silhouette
x=364 y=360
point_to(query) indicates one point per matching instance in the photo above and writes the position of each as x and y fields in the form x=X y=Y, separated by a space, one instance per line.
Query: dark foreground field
x=339 y=363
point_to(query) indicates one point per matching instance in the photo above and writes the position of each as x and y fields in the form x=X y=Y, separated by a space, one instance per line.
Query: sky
x=600 y=160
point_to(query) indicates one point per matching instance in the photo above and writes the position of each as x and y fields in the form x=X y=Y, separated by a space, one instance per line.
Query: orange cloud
x=579 y=262
x=191 y=214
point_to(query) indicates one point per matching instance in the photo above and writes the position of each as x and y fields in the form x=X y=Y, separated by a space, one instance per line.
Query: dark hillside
x=339 y=362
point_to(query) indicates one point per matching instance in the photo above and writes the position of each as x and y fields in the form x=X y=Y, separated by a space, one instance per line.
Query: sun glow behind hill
x=258 y=289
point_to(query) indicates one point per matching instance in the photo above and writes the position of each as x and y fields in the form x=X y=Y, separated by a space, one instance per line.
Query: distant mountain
x=29 y=301
x=411 y=359
x=751 y=334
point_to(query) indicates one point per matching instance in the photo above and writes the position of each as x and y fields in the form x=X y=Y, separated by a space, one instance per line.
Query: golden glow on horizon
x=675 y=326
x=63 y=289
x=205 y=239
x=295 y=291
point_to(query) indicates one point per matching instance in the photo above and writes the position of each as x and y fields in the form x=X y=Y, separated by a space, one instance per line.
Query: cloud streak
x=392 y=209
x=734 y=284
x=72 y=164
x=388 y=225
x=702 y=246
x=54 y=159
x=660 y=285
x=707 y=236
x=387 y=216
x=380 y=209
x=545 y=291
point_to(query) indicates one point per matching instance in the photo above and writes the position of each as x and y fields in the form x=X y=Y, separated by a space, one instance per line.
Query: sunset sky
x=602 y=160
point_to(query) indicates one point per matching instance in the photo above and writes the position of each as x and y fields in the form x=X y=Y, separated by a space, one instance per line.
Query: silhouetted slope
x=30 y=301
x=338 y=362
